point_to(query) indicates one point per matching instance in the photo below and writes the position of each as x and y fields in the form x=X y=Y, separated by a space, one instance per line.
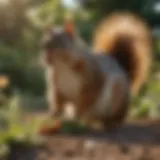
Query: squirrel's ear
x=69 y=27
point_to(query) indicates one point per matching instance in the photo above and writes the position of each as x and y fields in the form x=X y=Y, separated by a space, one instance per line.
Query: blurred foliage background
x=21 y=27
x=22 y=81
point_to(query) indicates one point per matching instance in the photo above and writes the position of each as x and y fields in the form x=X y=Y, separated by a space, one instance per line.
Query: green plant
x=15 y=130
x=147 y=105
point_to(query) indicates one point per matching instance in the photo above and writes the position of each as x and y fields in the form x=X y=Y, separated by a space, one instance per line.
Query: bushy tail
x=128 y=39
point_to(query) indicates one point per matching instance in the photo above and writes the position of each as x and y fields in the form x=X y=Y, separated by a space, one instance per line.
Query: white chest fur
x=68 y=82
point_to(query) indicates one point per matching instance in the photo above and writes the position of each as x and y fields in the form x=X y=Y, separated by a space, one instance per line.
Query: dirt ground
x=134 y=141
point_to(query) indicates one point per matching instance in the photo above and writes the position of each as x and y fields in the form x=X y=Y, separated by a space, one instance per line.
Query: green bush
x=22 y=74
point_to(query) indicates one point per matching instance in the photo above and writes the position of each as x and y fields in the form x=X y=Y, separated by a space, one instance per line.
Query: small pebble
x=89 y=144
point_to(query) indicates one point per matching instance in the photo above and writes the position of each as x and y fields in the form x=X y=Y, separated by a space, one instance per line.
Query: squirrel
x=98 y=81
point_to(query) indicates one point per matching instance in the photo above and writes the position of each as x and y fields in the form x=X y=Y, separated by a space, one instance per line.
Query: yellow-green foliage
x=149 y=103
x=13 y=128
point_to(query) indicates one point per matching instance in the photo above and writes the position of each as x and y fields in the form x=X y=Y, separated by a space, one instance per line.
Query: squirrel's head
x=62 y=44
x=57 y=39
